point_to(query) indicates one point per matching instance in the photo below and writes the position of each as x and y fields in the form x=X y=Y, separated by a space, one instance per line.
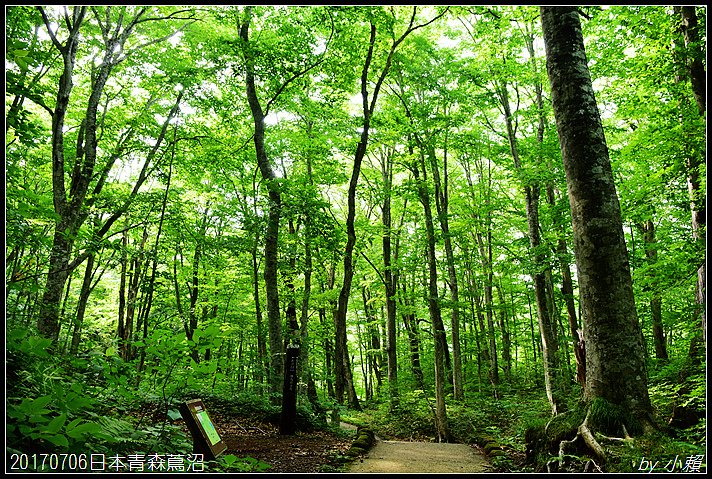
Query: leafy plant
x=232 y=463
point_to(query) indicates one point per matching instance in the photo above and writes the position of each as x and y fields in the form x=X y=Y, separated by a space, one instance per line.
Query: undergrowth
x=94 y=405
x=84 y=414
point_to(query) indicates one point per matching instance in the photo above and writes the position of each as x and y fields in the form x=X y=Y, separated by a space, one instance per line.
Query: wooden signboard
x=288 y=419
x=206 y=439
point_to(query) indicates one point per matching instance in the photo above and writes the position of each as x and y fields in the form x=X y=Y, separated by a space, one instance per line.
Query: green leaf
x=57 y=439
x=21 y=63
x=57 y=423
x=73 y=424
x=39 y=345
x=38 y=404
x=174 y=414
x=78 y=403
x=15 y=413
x=80 y=431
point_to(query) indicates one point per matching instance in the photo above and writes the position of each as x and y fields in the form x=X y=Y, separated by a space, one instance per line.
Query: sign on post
x=206 y=439
x=288 y=419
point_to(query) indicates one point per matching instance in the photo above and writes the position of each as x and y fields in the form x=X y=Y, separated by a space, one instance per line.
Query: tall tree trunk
x=194 y=286
x=413 y=331
x=154 y=262
x=442 y=205
x=293 y=334
x=136 y=277
x=440 y=342
x=567 y=291
x=82 y=304
x=483 y=354
x=651 y=253
x=506 y=336
x=547 y=328
x=121 y=325
x=486 y=262
x=391 y=279
x=271 y=240
x=692 y=60
x=306 y=344
x=72 y=210
x=367 y=108
x=328 y=349
x=264 y=364
x=65 y=230
x=305 y=368
x=615 y=366
x=485 y=252
x=373 y=339
x=476 y=316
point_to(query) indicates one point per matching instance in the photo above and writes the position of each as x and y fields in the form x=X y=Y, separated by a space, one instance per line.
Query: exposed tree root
x=590 y=441
x=591 y=466
x=563 y=445
x=626 y=439
x=584 y=432
x=586 y=435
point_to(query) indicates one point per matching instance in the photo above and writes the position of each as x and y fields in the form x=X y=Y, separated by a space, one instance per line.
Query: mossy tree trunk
x=615 y=367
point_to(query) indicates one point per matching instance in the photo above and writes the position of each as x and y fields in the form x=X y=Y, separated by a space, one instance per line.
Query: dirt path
x=400 y=456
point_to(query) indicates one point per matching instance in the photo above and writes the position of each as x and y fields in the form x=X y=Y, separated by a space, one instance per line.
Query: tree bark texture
x=615 y=367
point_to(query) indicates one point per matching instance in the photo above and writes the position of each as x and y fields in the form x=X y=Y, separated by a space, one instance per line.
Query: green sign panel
x=208 y=427
x=206 y=439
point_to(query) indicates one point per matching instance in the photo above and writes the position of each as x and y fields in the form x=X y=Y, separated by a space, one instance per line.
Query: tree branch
x=52 y=36
x=304 y=71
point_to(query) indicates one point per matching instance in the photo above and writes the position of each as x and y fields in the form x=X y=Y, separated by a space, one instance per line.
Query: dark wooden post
x=287 y=423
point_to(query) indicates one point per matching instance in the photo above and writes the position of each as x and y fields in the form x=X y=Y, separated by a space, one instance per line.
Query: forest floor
x=321 y=451
x=303 y=452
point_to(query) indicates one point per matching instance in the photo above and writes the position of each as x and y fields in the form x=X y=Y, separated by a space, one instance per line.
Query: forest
x=473 y=222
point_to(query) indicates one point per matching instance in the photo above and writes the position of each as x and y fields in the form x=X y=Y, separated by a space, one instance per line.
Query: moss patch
x=543 y=438
x=365 y=438
x=610 y=418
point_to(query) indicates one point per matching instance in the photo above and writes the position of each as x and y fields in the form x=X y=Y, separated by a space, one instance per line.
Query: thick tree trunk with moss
x=615 y=366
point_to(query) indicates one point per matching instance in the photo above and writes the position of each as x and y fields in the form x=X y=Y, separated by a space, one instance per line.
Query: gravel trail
x=401 y=456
